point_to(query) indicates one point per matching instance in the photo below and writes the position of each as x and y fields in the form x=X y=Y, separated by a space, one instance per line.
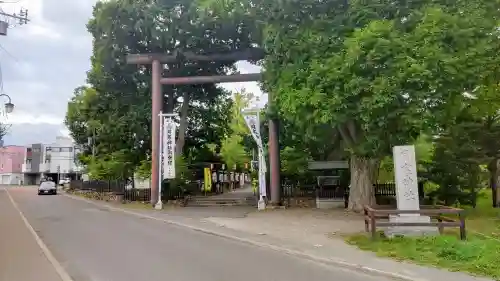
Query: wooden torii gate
x=158 y=60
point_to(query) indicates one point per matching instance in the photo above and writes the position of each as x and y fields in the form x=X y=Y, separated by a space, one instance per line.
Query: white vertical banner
x=253 y=122
x=168 y=147
x=262 y=174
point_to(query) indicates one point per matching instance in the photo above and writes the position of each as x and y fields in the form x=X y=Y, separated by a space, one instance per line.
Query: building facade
x=31 y=165
x=59 y=157
x=11 y=161
x=56 y=160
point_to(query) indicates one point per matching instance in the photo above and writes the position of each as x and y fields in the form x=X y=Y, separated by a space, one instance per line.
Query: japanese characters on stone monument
x=405 y=171
x=407 y=197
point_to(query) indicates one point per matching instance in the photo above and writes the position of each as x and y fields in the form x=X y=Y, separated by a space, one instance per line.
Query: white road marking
x=341 y=264
x=57 y=266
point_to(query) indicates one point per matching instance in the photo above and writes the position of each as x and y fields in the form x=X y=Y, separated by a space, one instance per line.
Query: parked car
x=64 y=181
x=47 y=186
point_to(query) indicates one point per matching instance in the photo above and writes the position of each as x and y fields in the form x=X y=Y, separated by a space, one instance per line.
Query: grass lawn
x=479 y=254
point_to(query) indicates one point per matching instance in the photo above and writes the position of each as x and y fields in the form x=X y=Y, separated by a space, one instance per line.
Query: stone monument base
x=261 y=205
x=410 y=230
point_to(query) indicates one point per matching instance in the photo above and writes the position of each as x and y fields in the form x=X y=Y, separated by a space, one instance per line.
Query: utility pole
x=58 y=174
x=20 y=19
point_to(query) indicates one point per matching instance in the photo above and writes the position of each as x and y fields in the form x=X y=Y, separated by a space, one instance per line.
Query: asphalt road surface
x=95 y=244
x=19 y=250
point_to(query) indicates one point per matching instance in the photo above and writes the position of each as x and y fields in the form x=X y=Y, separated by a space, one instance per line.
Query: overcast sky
x=43 y=62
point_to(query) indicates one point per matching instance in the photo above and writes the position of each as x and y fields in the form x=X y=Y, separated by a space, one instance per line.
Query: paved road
x=95 y=244
x=18 y=249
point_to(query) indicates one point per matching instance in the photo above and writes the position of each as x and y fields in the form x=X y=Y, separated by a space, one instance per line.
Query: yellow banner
x=207 y=180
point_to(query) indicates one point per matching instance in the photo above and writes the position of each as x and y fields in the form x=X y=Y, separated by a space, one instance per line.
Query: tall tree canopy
x=116 y=105
x=375 y=73
x=232 y=149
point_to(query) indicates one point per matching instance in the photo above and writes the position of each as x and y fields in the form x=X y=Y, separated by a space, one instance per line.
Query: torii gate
x=158 y=60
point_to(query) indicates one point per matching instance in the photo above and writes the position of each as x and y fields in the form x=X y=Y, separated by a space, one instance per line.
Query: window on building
x=66 y=149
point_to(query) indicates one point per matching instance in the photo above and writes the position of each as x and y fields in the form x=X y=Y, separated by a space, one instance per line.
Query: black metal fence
x=289 y=190
x=120 y=188
x=125 y=190
x=382 y=190
x=116 y=186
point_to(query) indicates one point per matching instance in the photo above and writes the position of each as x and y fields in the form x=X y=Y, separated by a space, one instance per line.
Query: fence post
x=373 y=224
x=461 y=216
x=440 y=227
x=367 y=226
x=290 y=193
x=421 y=190
x=346 y=197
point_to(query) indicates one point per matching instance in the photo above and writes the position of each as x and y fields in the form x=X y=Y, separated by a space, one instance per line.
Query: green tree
x=232 y=149
x=476 y=131
x=118 y=101
x=113 y=166
x=465 y=143
x=4 y=130
x=376 y=73
x=424 y=152
x=455 y=168
x=485 y=131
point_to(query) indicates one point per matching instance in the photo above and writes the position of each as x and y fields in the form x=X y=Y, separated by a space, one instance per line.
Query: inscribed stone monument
x=407 y=197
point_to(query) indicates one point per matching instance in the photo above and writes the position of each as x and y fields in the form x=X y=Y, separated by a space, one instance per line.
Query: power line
x=21 y=18
x=9 y=54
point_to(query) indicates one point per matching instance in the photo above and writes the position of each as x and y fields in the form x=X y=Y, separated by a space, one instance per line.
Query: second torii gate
x=157 y=60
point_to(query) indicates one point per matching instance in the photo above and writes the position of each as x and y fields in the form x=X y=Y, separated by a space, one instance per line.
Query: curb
x=335 y=262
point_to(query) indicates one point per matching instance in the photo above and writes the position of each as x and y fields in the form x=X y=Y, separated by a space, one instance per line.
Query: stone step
x=214 y=201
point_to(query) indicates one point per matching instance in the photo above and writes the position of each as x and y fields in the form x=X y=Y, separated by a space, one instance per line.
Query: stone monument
x=407 y=197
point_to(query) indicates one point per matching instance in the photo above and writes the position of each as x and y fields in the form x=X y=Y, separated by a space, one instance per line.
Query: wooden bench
x=374 y=215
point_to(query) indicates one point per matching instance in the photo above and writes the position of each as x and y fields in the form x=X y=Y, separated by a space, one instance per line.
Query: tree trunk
x=361 y=192
x=179 y=145
x=494 y=169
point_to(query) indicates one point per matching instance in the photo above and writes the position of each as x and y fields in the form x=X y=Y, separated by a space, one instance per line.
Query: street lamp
x=9 y=106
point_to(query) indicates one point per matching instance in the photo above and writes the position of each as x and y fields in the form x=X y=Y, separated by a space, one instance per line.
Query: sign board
x=168 y=147
x=207 y=180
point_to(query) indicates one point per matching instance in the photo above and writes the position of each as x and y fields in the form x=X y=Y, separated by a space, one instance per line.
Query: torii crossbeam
x=157 y=60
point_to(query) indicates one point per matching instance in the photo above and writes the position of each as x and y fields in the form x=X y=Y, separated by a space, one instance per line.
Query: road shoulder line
x=48 y=254
x=331 y=261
